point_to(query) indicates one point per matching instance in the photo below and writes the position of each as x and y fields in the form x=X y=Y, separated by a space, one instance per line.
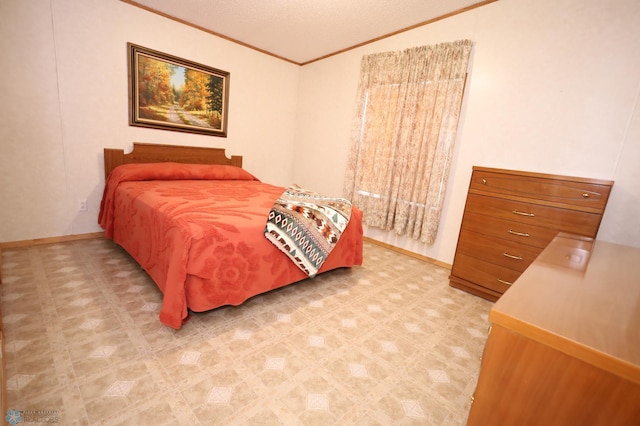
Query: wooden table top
x=581 y=297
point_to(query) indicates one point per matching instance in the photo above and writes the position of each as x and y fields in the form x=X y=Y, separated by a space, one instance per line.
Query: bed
x=197 y=223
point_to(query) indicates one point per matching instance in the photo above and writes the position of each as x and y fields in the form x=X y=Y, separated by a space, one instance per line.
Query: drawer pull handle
x=585 y=195
x=523 y=213
x=484 y=181
x=511 y=256
x=504 y=282
x=520 y=234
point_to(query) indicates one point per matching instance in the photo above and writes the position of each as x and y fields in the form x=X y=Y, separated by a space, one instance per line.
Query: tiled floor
x=386 y=343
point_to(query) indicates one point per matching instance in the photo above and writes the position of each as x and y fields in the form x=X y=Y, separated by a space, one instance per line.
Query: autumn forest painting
x=168 y=93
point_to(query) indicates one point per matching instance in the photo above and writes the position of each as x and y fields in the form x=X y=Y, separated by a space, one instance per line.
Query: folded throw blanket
x=306 y=226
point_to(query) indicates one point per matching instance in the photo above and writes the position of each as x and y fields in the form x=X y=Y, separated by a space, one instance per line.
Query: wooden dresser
x=564 y=346
x=510 y=217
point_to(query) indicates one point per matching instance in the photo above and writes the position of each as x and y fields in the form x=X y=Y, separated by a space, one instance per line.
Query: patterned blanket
x=306 y=226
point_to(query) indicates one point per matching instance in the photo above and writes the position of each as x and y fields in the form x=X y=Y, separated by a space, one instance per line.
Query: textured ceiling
x=302 y=31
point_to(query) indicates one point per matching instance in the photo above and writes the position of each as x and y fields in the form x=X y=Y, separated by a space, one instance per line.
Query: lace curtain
x=403 y=136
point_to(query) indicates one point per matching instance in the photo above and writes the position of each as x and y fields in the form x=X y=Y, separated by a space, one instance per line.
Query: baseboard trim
x=408 y=253
x=64 y=238
x=51 y=240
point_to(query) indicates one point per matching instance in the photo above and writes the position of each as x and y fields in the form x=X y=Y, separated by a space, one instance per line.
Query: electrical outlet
x=82 y=206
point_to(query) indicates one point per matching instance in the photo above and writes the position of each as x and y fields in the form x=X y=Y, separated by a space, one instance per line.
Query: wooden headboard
x=155 y=153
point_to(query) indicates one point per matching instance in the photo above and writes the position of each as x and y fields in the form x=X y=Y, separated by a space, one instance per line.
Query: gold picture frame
x=171 y=93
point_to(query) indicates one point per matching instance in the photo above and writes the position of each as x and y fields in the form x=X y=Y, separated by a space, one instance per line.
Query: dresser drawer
x=521 y=233
x=511 y=216
x=578 y=192
x=571 y=221
x=496 y=250
x=486 y=274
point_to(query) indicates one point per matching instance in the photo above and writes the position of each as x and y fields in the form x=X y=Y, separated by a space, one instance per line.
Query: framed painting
x=170 y=93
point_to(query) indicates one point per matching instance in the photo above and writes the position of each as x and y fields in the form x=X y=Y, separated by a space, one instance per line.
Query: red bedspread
x=198 y=231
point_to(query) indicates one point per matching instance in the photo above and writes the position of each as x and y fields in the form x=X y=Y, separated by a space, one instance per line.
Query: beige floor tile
x=386 y=343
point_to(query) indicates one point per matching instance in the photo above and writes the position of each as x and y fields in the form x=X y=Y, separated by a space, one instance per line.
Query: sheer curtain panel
x=403 y=136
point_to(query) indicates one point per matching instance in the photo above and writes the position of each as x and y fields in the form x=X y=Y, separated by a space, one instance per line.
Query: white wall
x=65 y=98
x=553 y=88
